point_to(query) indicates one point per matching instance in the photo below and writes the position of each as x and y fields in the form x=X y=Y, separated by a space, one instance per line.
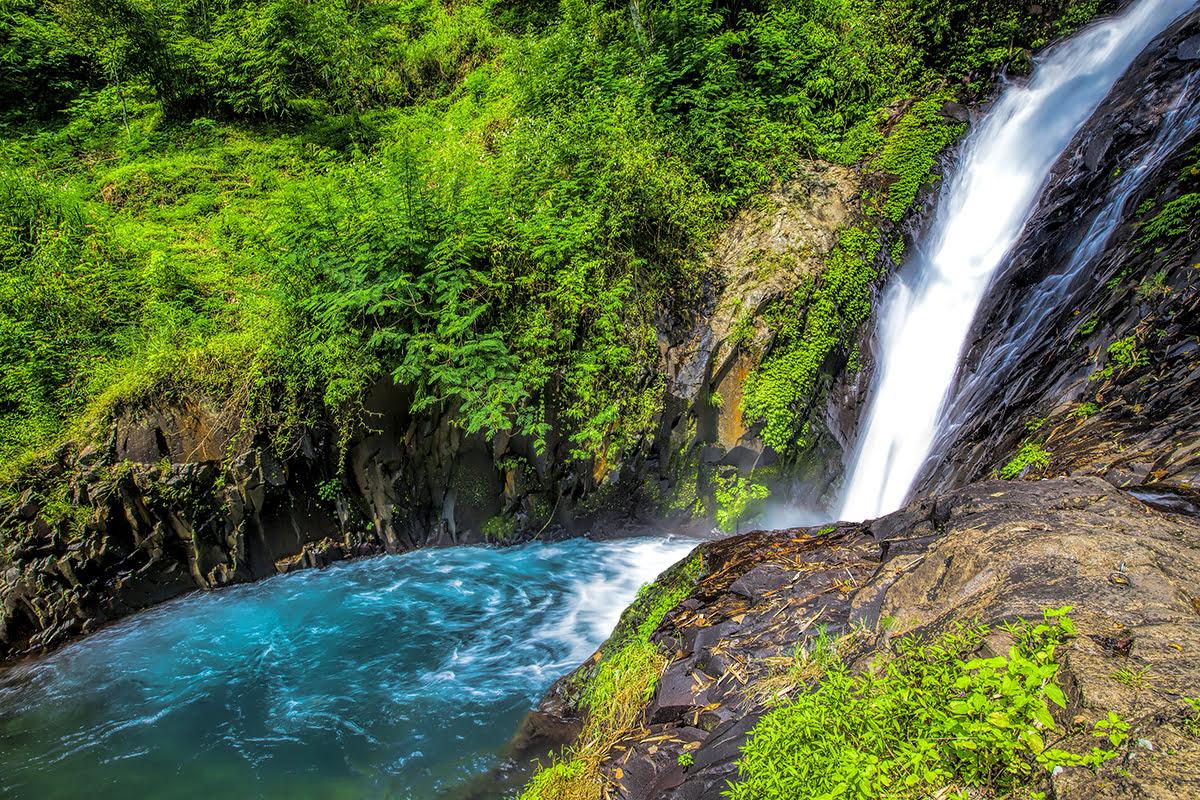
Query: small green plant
x=1085 y=410
x=1154 y=286
x=1133 y=678
x=1088 y=327
x=1191 y=720
x=787 y=676
x=931 y=719
x=328 y=490
x=1035 y=424
x=685 y=760
x=742 y=330
x=500 y=528
x=738 y=499
x=1031 y=454
x=1123 y=354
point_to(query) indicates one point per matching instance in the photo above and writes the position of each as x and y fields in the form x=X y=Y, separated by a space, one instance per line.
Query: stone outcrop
x=993 y=552
x=158 y=511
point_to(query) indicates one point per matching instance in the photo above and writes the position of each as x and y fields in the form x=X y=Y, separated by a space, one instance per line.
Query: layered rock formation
x=992 y=552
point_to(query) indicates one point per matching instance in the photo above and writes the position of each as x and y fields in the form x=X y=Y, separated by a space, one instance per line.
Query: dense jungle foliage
x=277 y=202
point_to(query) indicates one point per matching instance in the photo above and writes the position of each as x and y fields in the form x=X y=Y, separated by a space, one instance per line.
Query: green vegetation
x=1191 y=720
x=500 y=528
x=1176 y=216
x=1173 y=220
x=930 y=719
x=808 y=328
x=822 y=318
x=1154 y=286
x=1133 y=678
x=788 y=677
x=1031 y=454
x=738 y=499
x=1123 y=354
x=613 y=691
x=1088 y=327
x=269 y=205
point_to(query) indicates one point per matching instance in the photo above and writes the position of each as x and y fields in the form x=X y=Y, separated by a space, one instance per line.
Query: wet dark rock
x=999 y=551
x=956 y=112
x=1189 y=49
x=760 y=582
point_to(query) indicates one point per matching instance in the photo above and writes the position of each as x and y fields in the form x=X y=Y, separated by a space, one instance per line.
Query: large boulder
x=991 y=552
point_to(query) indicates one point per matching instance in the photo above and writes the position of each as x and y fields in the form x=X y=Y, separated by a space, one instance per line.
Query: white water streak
x=927 y=311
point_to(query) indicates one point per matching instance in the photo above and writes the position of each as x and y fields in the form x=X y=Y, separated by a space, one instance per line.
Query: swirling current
x=394 y=677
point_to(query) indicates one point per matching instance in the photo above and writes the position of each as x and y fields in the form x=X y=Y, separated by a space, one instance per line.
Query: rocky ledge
x=991 y=552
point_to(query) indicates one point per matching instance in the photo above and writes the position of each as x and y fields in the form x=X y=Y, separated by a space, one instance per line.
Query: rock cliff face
x=156 y=512
x=182 y=497
x=1088 y=346
x=994 y=551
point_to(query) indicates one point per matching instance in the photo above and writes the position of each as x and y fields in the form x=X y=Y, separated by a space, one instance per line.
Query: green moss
x=1030 y=454
x=742 y=330
x=783 y=387
x=910 y=149
x=930 y=720
x=1174 y=219
x=500 y=528
x=684 y=498
x=1153 y=286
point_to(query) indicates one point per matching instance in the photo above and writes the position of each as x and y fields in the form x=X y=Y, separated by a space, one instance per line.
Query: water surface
x=399 y=677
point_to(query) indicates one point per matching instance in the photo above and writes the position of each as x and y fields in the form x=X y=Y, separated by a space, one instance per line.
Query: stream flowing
x=927 y=311
x=404 y=676
x=400 y=676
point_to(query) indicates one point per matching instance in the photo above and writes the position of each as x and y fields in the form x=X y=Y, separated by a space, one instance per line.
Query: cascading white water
x=927 y=312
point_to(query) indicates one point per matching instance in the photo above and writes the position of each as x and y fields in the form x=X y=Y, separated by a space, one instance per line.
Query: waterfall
x=926 y=313
x=1002 y=362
